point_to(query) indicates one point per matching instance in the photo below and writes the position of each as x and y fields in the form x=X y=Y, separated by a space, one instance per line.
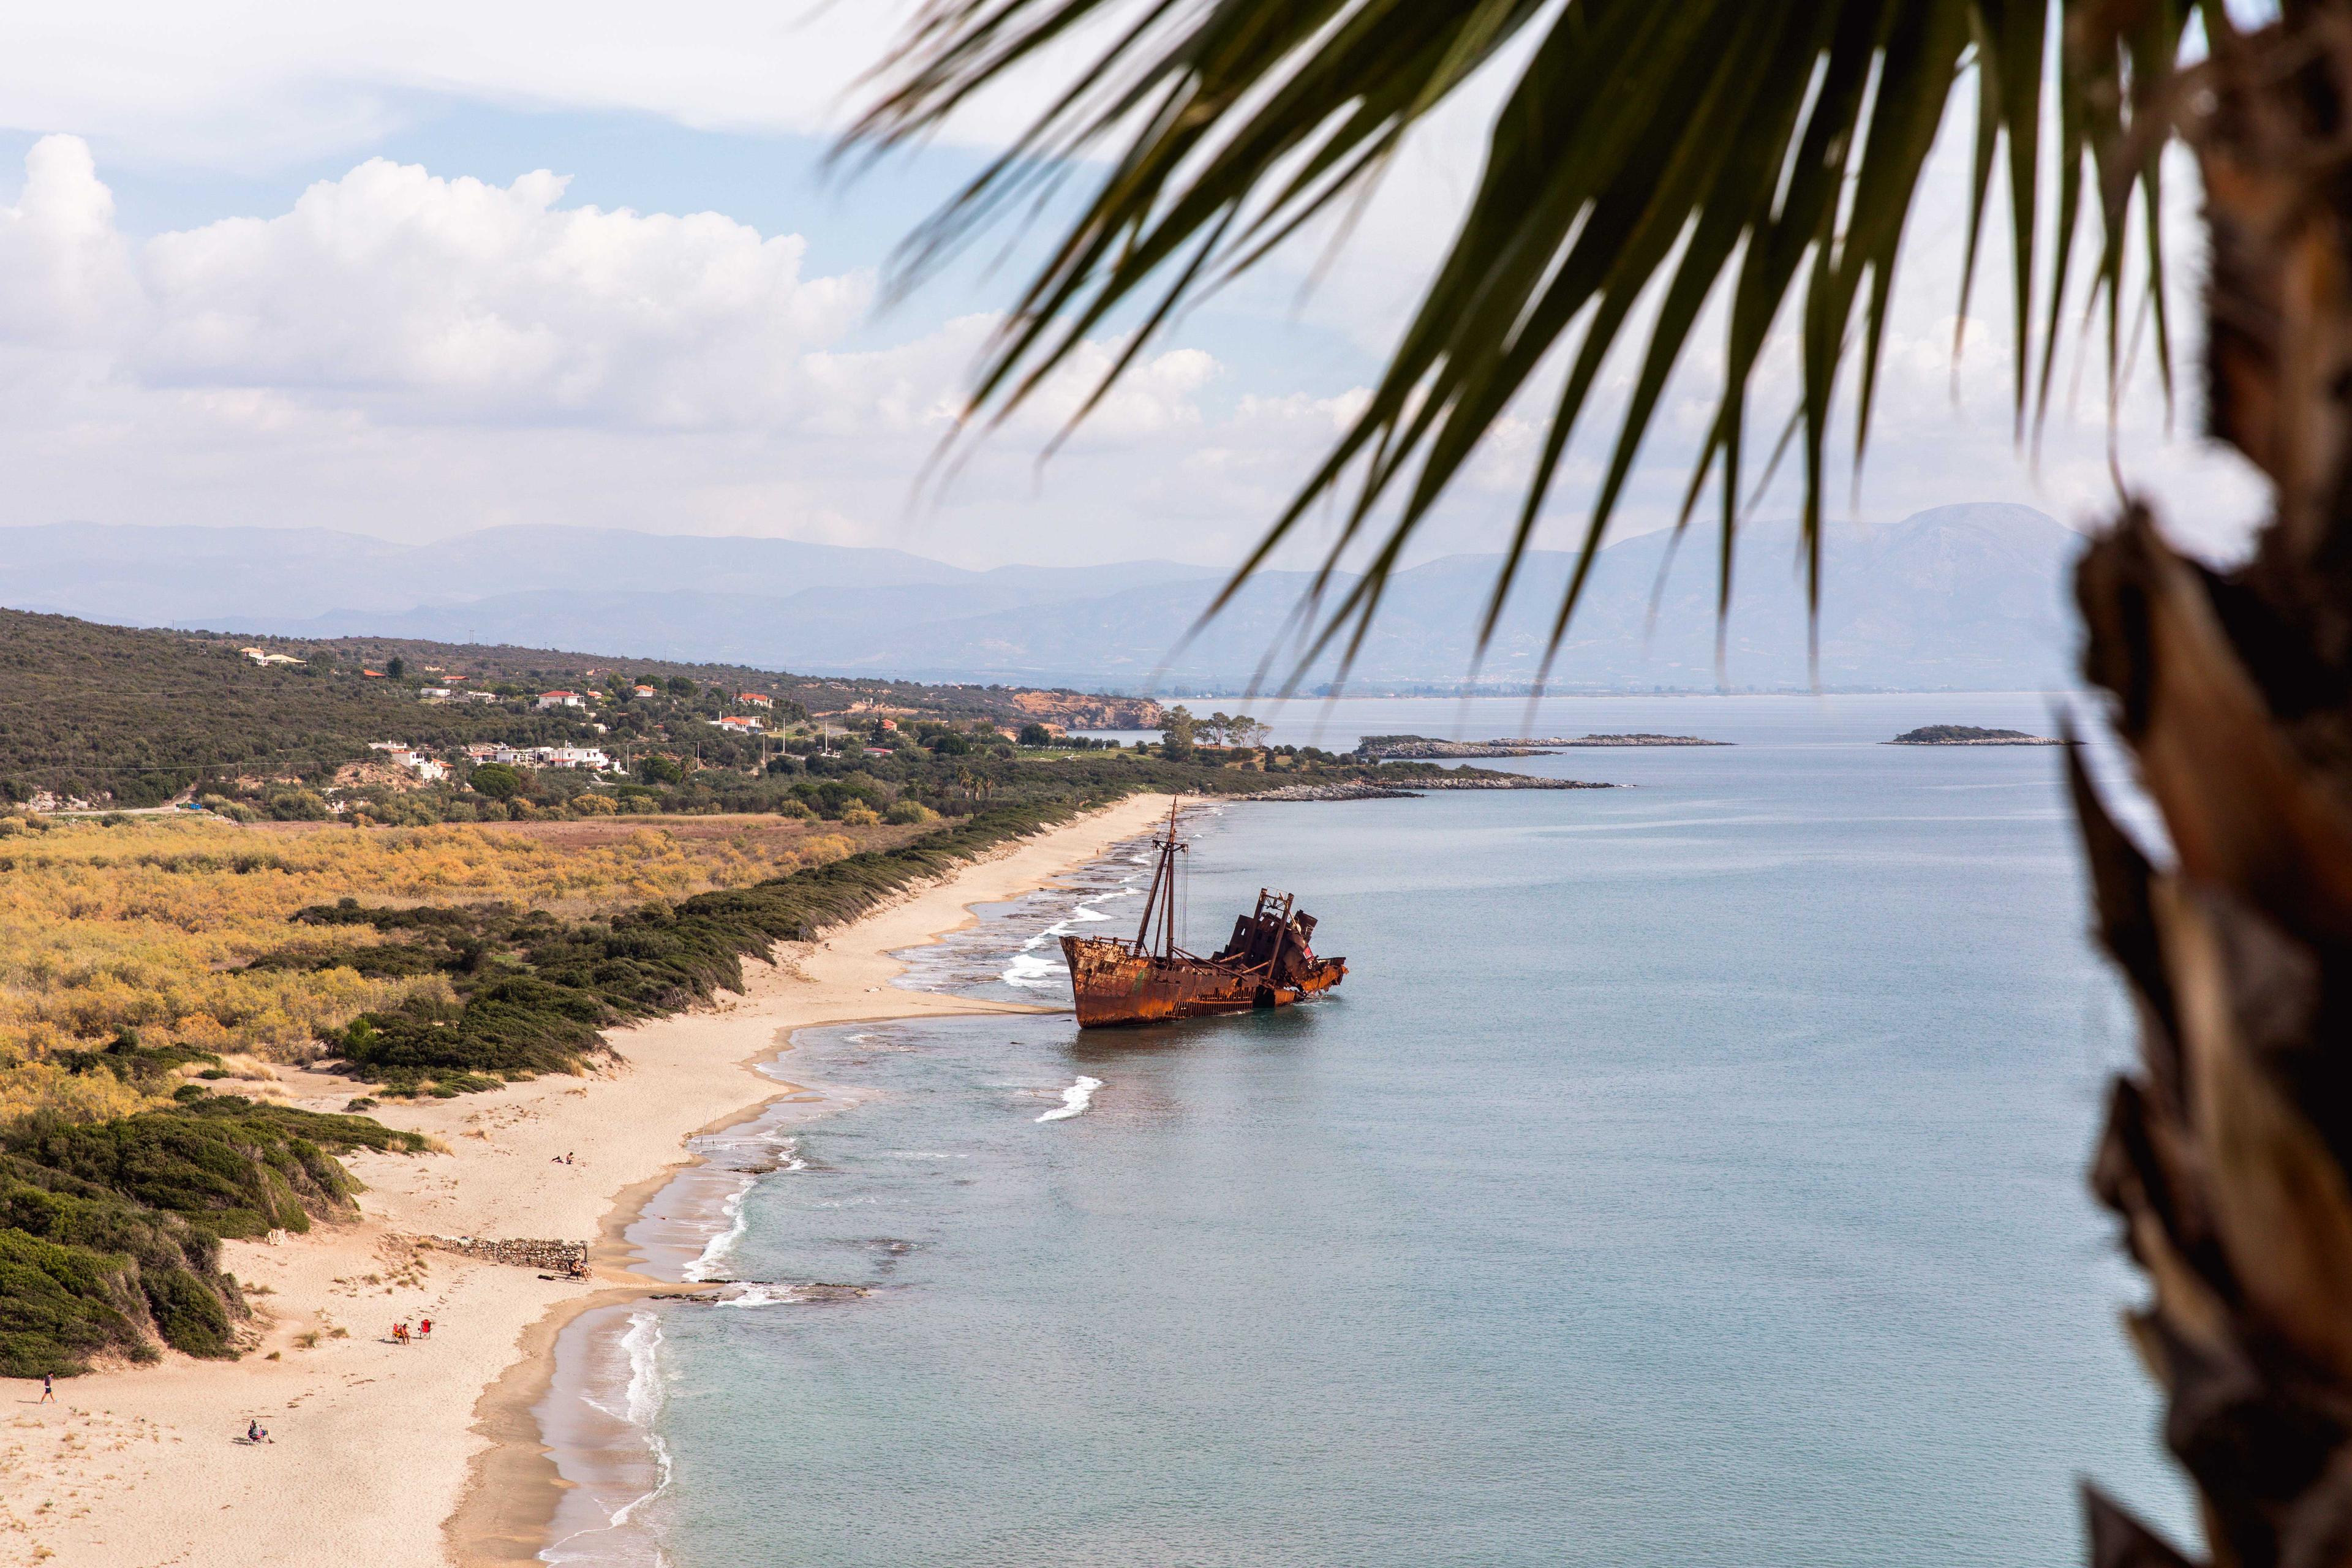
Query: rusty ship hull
x=1266 y=964
x=1113 y=983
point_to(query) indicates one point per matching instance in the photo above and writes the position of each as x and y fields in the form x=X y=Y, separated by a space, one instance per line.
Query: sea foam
x=1075 y=1099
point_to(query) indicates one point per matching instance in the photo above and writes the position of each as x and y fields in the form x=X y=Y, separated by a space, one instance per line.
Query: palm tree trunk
x=2226 y=1153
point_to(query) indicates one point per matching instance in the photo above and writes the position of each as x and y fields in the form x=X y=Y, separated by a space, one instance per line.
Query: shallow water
x=1686 y=1173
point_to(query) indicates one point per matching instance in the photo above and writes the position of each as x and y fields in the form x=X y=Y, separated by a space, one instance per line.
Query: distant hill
x=1958 y=597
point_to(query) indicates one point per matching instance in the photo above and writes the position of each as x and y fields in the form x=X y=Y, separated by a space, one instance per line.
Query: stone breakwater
x=548 y=1257
x=1411 y=789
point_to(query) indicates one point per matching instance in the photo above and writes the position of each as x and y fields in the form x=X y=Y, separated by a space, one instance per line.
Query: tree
x=660 y=769
x=1035 y=734
x=1766 y=157
x=948 y=744
x=1177 y=728
x=1241 y=730
x=395 y=668
x=497 y=780
x=681 y=687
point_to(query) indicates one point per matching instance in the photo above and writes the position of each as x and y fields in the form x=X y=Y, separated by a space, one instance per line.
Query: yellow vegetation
x=146 y=924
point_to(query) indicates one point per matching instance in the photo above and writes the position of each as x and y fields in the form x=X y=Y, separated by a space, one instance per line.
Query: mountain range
x=1959 y=597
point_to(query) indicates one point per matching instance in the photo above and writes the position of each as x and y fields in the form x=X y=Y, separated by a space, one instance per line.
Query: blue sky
x=286 y=267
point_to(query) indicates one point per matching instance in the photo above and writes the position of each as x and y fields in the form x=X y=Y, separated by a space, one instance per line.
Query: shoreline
x=386 y=1456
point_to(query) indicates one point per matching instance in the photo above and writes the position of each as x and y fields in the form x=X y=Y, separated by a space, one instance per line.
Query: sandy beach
x=385 y=1455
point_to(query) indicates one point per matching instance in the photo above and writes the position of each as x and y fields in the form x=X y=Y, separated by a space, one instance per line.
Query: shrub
x=298 y=805
x=536 y=992
x=859 y=816
x=593 y=804
x=60 y=1305
x=113 y=1230
x=907 y=812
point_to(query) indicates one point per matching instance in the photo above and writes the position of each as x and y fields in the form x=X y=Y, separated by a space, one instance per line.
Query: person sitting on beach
x=400 y=1333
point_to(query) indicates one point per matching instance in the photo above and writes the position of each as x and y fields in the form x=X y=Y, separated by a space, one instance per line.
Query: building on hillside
x=435 y=693
x=740 y=726
x=409 y=757
x=642 y=691
x=477 y=697
x=562 y=700
x=756 y=699
x=571 y=757
x=890 y=723
x=263 y=656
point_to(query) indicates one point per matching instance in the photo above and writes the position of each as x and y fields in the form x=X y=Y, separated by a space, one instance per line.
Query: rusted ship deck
x=1267 y=962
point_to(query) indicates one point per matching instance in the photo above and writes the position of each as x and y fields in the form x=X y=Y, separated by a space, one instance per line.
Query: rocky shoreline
x=1412 y=789
x=1637 y=738
x=1423 y=748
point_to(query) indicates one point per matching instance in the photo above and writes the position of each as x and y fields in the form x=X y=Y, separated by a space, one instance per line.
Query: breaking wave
x=1075 y=1099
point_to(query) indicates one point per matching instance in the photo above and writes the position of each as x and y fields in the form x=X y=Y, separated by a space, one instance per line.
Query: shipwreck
x=1266 y=963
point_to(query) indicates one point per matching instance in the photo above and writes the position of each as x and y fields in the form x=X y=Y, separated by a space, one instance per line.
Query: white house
x=739 y=726
x=756 y=699
x=571 y=757
x=562 y=700
x=416 y=761
x=435 y=693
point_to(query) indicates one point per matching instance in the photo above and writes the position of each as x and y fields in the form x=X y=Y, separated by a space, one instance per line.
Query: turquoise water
x=1685 y=1175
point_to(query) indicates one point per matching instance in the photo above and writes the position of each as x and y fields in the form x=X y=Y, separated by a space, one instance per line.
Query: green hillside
x=119 y=716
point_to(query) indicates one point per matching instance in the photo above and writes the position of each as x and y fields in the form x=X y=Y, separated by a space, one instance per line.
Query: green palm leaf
x=1750 y=151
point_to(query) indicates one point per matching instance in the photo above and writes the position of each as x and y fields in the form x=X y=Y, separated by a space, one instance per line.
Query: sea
x=1687 y=1174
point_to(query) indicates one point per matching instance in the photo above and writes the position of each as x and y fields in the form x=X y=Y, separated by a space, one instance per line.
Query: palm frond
x=1745 y=150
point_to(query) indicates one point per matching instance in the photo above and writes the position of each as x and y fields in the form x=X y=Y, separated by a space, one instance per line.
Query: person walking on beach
x=49 y=1390
x=254 y=1432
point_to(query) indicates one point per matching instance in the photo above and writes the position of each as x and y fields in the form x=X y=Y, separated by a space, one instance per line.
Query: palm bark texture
x=2226 y=1156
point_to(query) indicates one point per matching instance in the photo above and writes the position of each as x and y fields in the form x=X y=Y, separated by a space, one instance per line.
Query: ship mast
x=1161 y=898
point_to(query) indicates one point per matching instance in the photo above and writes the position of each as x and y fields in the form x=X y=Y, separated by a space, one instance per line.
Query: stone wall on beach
x=551 y=1256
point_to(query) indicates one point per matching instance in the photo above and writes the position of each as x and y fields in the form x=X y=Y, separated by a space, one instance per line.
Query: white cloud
x=65 y=273
x=270 y=82
x=454 y=299
x=412 y=355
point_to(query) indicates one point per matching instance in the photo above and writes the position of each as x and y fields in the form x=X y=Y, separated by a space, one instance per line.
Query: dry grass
x=147 y=924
